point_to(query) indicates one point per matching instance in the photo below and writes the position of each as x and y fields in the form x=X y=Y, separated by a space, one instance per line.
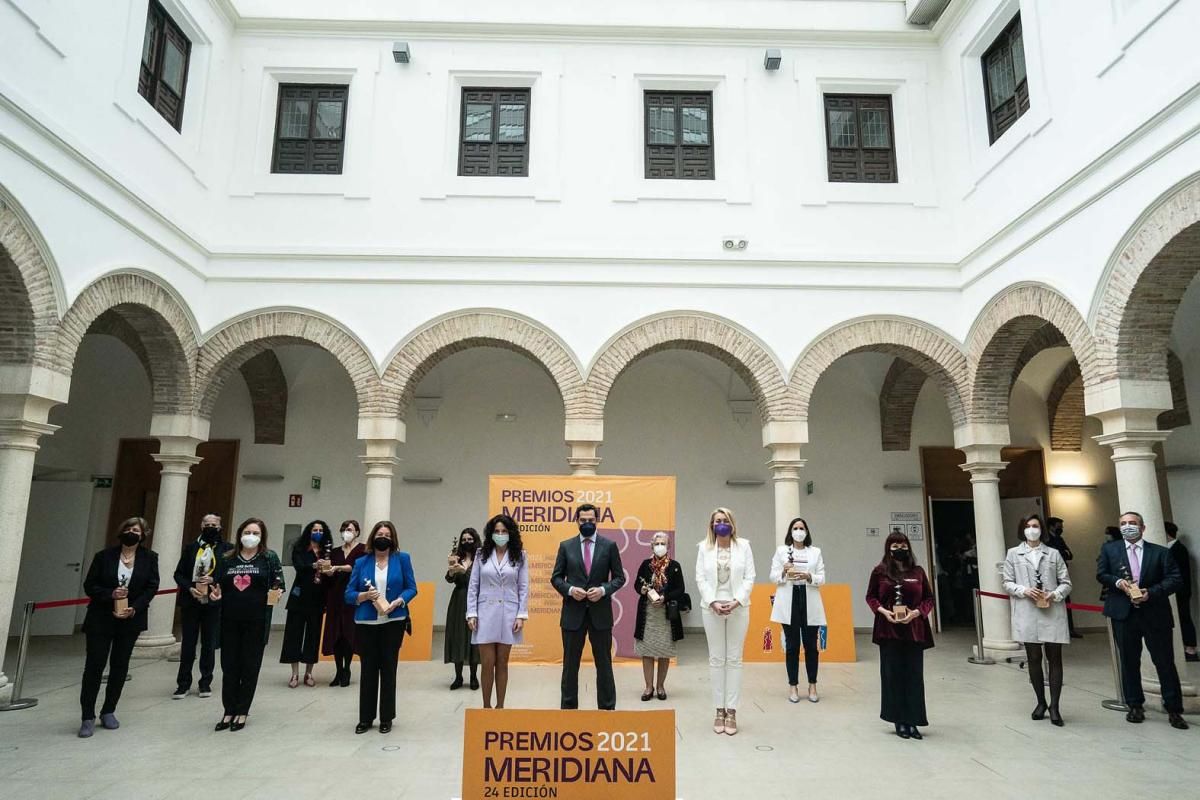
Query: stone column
x=178 y=437
x=785 y=440
x=381 y=437
x=26 y=396
x=584 y=437
x=982 y=445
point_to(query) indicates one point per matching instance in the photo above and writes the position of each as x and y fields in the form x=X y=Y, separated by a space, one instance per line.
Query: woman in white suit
x=799 y=571
x=725 y=578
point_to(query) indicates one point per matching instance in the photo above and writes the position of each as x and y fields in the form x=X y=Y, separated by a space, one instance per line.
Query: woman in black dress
x=339 y=617
x=459 y=649
x=306 y=603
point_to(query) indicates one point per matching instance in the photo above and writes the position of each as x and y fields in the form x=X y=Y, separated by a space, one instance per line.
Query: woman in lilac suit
x=498 y=602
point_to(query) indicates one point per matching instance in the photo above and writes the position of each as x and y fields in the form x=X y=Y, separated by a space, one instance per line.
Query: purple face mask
x=722 y=529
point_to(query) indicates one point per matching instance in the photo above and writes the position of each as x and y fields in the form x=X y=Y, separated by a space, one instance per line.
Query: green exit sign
x=316 y=481
x=102 y=481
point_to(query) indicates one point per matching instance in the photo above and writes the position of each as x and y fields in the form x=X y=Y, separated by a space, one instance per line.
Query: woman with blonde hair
x=725 y=578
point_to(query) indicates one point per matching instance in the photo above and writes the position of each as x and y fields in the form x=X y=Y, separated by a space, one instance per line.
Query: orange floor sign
x=581 y=755
x=417 y=646
x=764 y=641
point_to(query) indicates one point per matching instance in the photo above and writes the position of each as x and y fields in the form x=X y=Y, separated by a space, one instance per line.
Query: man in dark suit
x=199 y=618
x=1141 y=577
x=1183 y=597
x=586 y=573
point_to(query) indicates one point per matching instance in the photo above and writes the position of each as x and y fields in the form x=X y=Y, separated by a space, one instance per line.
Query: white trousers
x=726 y=636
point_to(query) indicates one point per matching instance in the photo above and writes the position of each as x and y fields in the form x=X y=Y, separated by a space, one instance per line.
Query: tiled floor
x=300 y=742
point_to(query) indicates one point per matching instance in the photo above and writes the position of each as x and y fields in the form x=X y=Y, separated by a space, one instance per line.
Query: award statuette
x=324 y=551
x=1135 y=591
x=381 y=603
x=204 y=565
x=121 y=604
x=273 y=594
x=898 y=607
x=1043 y=601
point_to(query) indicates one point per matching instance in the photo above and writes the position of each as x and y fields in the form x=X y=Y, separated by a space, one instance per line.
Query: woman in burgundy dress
x=900 y=595
x=339 y=617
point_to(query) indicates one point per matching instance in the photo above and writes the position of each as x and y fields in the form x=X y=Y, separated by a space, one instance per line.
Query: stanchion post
x=17 y=702
x=980 y=657
x=1115 y=656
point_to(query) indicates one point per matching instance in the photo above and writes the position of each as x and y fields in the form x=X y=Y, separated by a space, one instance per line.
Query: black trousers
x=378 y=649
x=795 y=634
x=113 y=645
x=302 y=636
x=1129 y=634
x=242 y=645
x=1187 y=628
x=606 y=686
x=902 y=681
x=201 y=624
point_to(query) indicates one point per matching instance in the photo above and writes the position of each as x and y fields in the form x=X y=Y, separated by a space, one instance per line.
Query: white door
x=52 y=557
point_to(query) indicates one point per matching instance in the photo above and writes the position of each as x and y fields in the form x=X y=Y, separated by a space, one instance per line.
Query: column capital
x=382 y=428
x=380 y=464
x=23 y=434
x=785 y=433
x=176 y=463
x=1130 y=445
x=786 y=469
x=583 y=459
x=1122 y=403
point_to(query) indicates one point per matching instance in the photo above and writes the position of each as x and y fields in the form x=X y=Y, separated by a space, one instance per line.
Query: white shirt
x=124 y=573
x=381 y=575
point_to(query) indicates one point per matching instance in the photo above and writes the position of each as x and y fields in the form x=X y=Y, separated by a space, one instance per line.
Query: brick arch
x=1011 y=327
x=1064 y=409
x=229 y=347
x=1136 y=302
x=268 y=396
x=149 y=312
x=433 y=343
x=897 y=402
x=698 y=332
x=1179 y=415
x=29 y=291
x=930 y=350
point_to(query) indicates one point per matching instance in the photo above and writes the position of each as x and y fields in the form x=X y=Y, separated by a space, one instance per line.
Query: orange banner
x=419 y=645
x=581 y=755
x=764 y=642
x=632 y=510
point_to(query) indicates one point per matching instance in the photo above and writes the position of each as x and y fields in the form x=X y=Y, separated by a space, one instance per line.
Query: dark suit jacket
x=607 y=573
x=1159 y=579
x=1183 y=560
x=102 y=579
x=183 y=573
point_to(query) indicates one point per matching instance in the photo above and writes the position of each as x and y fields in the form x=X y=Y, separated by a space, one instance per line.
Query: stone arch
x=1008 y=330
x=1179 y=415
x=698 y=332
x=930 y=350
x=29 y=290
x=133 y=305
x=268 y=396
x=437 y=340
x=897 y=402
x=1136 y=302
x=239 y=340
x=1064 y=409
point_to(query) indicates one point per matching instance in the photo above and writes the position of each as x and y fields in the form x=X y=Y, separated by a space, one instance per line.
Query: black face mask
x=130 y=538
x=210 y=534
x=383 y=544
x=901 y=555
x=587 y=528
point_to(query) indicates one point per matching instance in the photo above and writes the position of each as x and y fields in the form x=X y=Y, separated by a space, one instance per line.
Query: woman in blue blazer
x=380 y=587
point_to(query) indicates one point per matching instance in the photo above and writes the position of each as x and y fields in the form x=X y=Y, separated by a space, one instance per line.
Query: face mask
x=587 y=528
x=210 y=533
x=1033 y=534
x=383 y=544
x=316 y=536
x=722 y=529
x=500 y=539
x=901 y=555
x=798 y=536
x=130 y=538
x=660 y=550
x=250 y=540
x=349 y=536
x=1130 y=532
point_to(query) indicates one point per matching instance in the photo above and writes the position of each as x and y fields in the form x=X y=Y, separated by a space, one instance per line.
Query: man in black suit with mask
x=1141 y=577
x=586 y=573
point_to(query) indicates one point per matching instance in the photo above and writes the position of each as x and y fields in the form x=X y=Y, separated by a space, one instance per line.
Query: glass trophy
x=204 y=565
x=381 y=603
x=898 y=607
x=1043 y=601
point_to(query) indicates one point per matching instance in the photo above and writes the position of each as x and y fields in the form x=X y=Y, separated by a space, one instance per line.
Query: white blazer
x=741 y=572
x=781 y=611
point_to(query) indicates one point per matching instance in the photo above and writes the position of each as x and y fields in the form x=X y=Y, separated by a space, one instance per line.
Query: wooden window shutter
x=494 y=132
x=678 y=135
x=310 y=129
x=860 y=138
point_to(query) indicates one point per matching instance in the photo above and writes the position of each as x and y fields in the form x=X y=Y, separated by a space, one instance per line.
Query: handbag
x=681 y=606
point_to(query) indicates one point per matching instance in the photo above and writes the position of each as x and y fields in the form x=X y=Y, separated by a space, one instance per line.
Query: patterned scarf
x=658 y=570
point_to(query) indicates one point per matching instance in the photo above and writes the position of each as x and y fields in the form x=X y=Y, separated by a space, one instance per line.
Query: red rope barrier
x=1076 y=606
x=83 y=601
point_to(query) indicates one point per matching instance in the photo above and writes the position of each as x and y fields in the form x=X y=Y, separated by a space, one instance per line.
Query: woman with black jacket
x=659 y=626
x=306 y=603
x=121 y=582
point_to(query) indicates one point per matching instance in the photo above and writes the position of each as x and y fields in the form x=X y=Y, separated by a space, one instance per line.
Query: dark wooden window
x=679 y=135
x=310 y=129
x=494 y=136
x=859 y=138
x=166 y=52
x=1004 y=81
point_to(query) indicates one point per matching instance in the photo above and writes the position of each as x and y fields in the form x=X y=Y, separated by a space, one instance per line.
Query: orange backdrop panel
x=581 y=755
x=764 y=642
x=418 y=646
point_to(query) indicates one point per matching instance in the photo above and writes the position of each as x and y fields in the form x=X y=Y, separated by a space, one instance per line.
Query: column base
x=1154 y=701
x=155 y=646
x=1000 y=649
x=6 y=688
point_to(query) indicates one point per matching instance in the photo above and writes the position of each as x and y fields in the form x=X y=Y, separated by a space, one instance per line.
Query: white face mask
x=660 y=550
x=349 y=536
x=798 y=537
x=1033 y=534
x=1130 y=532
x=500 y=539
x=250 y=540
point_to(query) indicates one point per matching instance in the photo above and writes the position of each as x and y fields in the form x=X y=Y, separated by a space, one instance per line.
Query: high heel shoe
x=719 y=721
x=223 y=724
x=1055 y=717
x=237 y=726
x=337 y=678
x=913 y=733
x=457 y=683
x=1039 y=712
x=902 y=731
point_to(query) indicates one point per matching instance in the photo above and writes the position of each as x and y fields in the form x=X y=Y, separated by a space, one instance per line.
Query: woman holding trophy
x=901 y=598
x=380 y=587
x=339 y=617
x=248 y=583
x=498 y=602
x=121 y=582
x=306 y=603
x=659 y=624
x=1036 y=578
x=798 y=571
x=459 y=649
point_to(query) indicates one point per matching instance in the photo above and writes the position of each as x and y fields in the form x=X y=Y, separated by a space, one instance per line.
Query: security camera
x=400 y=52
